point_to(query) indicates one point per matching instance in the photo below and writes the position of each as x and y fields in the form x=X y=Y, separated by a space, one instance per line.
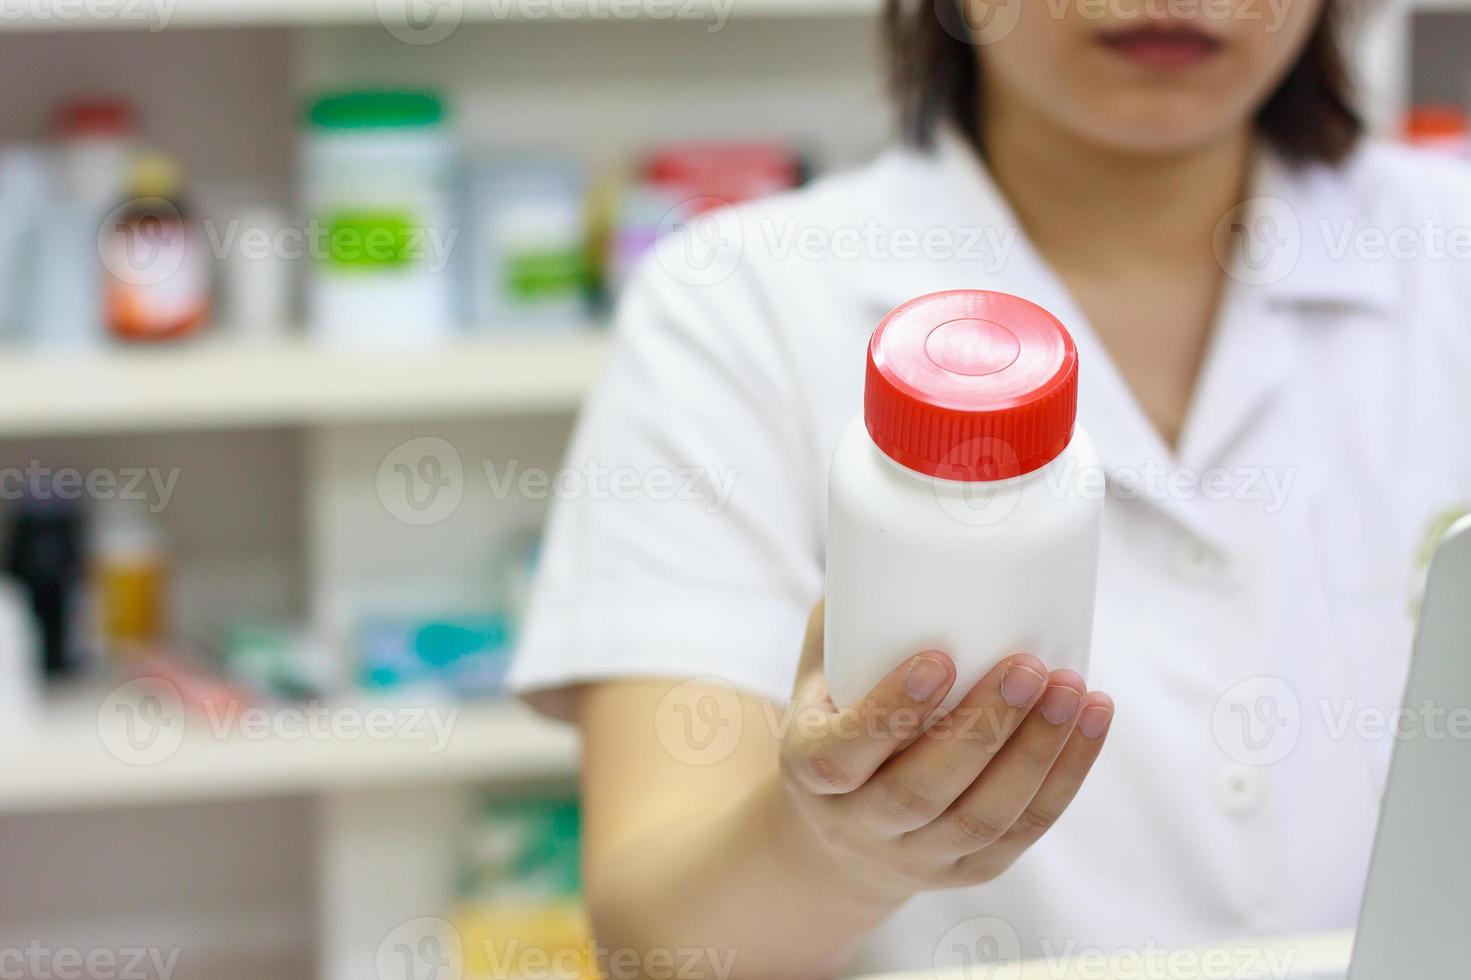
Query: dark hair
x=934 y=78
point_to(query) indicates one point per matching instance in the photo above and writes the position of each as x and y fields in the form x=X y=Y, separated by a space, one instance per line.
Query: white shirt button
x=1203 y=564
x=1239 y=789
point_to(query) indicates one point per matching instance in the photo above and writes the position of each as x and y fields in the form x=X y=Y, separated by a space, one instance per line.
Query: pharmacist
x=1271 y=318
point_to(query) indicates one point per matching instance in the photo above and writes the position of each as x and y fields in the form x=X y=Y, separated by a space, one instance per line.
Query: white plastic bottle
x=964 y=507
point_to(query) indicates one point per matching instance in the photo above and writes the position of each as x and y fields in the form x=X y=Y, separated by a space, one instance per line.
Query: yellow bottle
x=130 y=577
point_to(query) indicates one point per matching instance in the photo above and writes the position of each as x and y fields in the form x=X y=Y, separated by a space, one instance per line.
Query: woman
x=1279 y=400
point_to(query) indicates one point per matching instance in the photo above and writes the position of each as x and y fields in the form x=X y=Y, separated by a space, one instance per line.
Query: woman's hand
x=800 y=839
x=901 y=808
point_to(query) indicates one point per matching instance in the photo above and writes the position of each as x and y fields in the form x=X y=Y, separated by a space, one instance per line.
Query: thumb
x=811 y=685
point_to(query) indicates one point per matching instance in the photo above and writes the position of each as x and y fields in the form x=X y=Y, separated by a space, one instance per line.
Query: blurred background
x=298 y=301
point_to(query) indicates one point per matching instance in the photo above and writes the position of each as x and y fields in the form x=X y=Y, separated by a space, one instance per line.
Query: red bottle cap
x=971 y=385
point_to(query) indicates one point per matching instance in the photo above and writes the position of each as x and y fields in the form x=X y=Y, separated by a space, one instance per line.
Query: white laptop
x=1416 y=919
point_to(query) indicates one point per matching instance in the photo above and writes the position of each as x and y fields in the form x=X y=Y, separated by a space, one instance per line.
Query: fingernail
x=926 y=676
x=1095 y=721
x=1060 y=703
x=1020 y=685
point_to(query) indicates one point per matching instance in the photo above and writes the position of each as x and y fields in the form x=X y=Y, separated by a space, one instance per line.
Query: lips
x=1162 y=46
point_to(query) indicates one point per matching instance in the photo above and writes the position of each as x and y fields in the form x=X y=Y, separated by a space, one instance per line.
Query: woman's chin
x=1159 y=131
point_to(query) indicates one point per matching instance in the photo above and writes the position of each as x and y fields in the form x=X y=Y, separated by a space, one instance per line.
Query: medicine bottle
x=964 y=506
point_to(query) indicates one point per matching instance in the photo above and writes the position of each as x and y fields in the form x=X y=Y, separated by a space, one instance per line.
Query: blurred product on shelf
x=520 y=909
x=20 y=654
x=25 y=187
x=730 y=172
x=1445 y=128
x=129 y=577
x=677 y=184
x=96 y=140
x=378 y=170
x=94 y=145
x=45 y=553
x=528 y=245
x=462 y=655
x=202 y=694
x=516 y=554
x=96 y=240
x=156 y=279
x=256 y=277
x=405 y=243
x=415 y=649
x=279 y=662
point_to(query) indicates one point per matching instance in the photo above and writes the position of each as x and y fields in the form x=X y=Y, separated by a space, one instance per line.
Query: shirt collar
x=1298 y=240
x=1292 y=244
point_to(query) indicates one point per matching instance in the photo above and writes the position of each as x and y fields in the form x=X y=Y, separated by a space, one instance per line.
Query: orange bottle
x=156 y=268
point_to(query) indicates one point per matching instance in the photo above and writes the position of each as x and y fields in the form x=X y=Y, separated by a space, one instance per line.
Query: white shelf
x=76 y=759
x=214 y=385
x=155 y=15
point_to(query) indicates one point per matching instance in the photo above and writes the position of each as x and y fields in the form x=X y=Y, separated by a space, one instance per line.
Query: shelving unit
x=222 y=385
x=309 y=853
x=80 y=756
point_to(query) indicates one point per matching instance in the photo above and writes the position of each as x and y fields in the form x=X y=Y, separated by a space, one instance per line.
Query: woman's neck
x=1093 y=209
